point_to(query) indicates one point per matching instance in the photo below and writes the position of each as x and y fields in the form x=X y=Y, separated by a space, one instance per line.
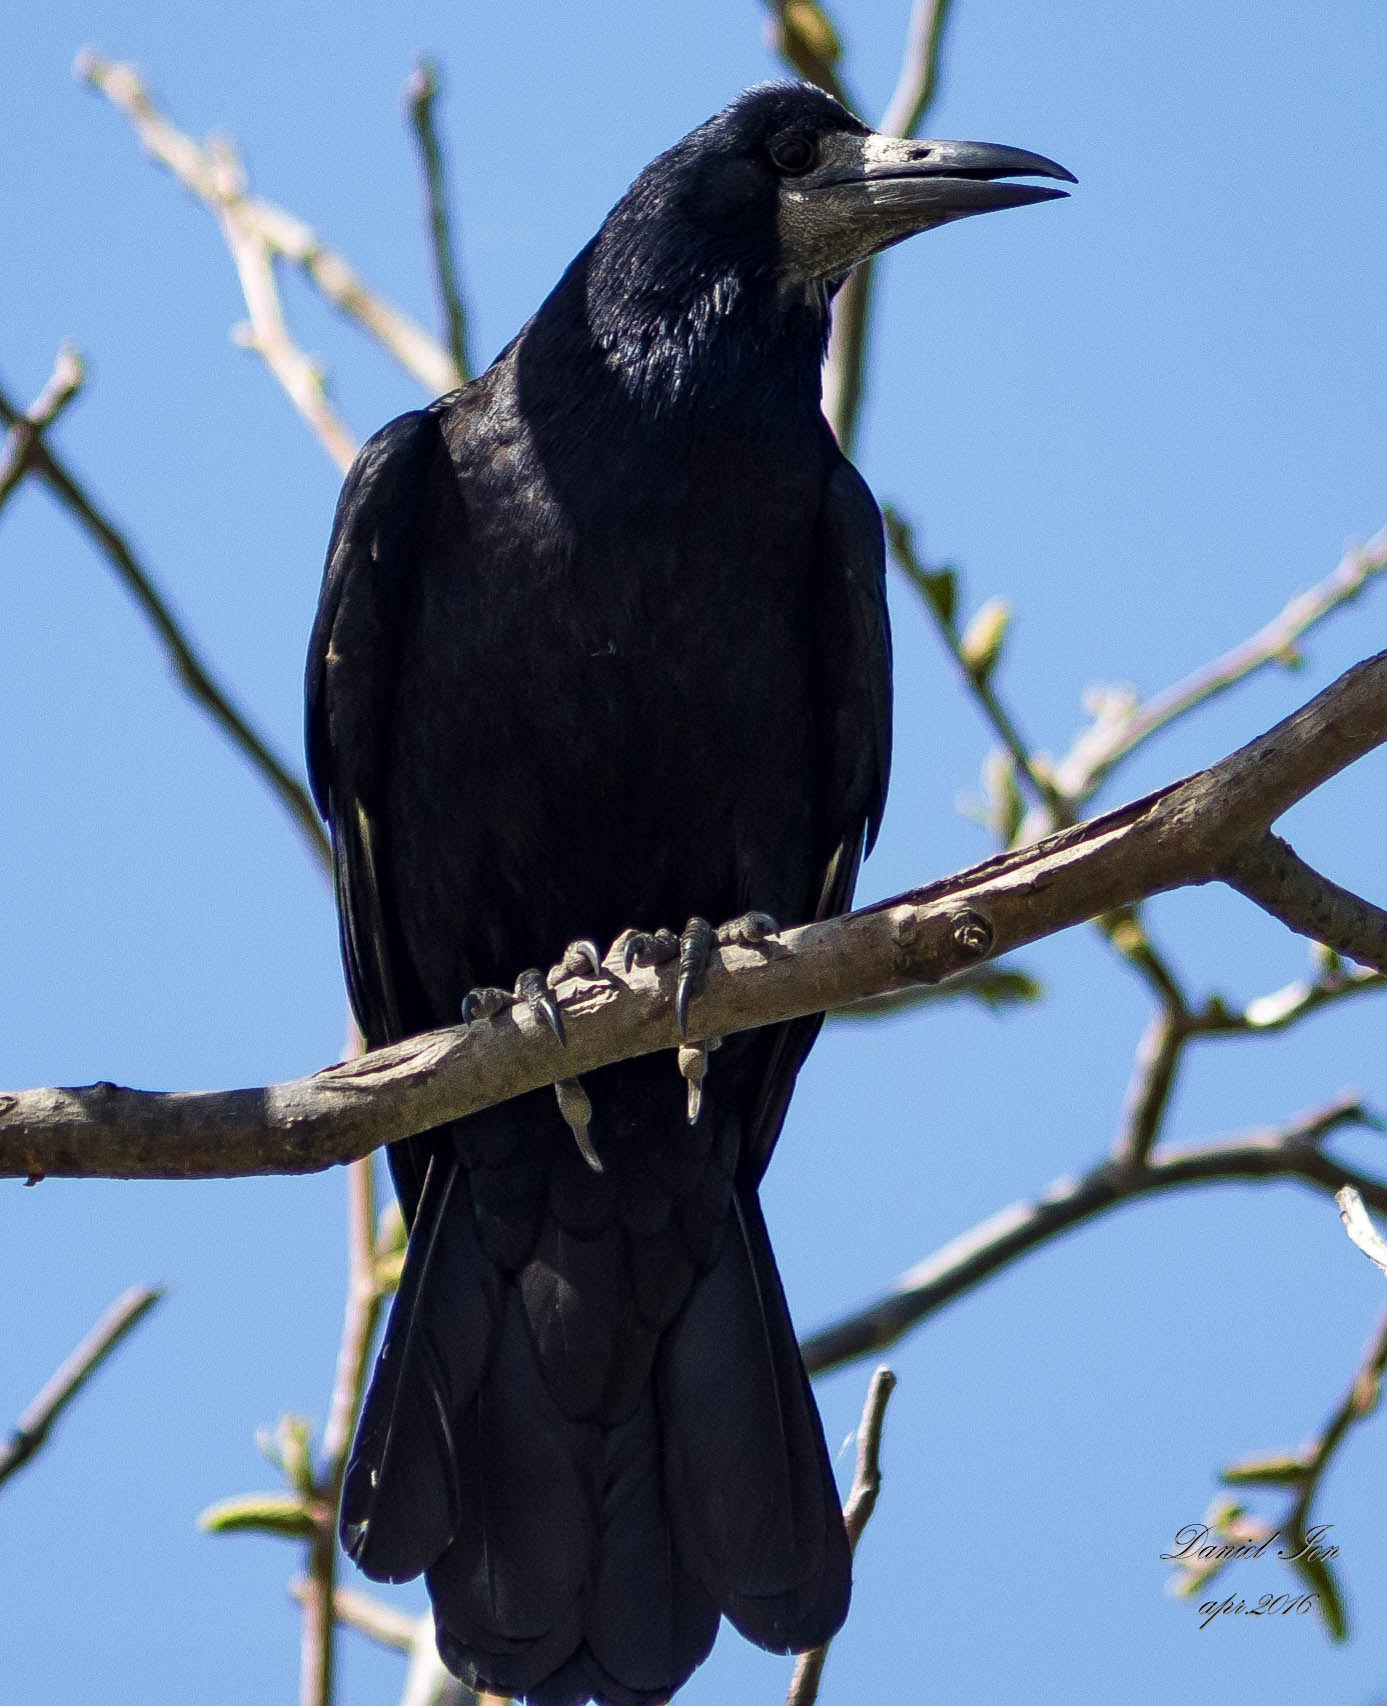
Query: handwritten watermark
x=1203 y=1551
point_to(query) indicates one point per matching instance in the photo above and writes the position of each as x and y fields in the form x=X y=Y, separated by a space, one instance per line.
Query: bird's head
x=786 y=182
x=734 y=240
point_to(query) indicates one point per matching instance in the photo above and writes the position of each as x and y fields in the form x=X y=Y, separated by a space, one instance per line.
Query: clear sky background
x=1147 y=416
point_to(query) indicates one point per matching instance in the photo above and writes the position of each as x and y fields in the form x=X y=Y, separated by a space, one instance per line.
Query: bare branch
x=1123 y=928
x=995 y=985
x=1302 y=1471
x=918 y=83
x=1153 y=1080
x=1291 y=1152
x=66 y=380
x=372 y=1618
x=857 y=1513
x=1273 y=875
x=1281 y=1008
x=34 y=1426
x=421 y=91
x=1127 y=724
x=360 y=1320
x=912 y=99
x=901 y=539
x=807 y=39
x=1182 y=834
x=1360 y=1228
x=193 y=671
x=257 y=231
x=429 y=1682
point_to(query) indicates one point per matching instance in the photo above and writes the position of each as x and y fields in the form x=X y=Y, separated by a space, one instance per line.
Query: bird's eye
x=793 y=153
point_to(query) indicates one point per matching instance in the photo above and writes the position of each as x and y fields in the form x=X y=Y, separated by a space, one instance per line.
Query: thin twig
x=1292 y=1151
x=1114 y=736
x=360 y=1320
x=421 y=91
x=66 y=380
x=857 y=1513
x=918 y=82
x=807 y=39
x=191 y=668
x=1356 y=1405
x=429 y=1682
x=1359 y=1226
x=1301 y=1471
x=1284 y=1007
x=900 y=537
x=914 y=95
x=1270 y=873
x=1153 y=1080
x=34 y=1426
x=1182 y=834
x=373 y=1618
x=262 y=226
x=1124 y=929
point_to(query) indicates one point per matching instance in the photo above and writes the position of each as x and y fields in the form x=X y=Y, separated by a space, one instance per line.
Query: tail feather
x=518 y=1564
x=577 y=1547
x=401 y=1501
x=650 y=1623
x=751 y=1495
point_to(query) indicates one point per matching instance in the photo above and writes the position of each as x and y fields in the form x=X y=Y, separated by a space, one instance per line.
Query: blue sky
x=1146 y=417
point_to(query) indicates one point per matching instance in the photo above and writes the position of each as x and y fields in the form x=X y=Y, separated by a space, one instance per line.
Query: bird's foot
x=577 y=1112
x=531 y=989
x=696 y=946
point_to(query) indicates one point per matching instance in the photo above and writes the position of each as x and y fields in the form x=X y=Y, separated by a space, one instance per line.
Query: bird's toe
x=577 y=1112
x=748 y=931
x=696 y=945
x=531 y=988
x=484 y=1002
x=645 y=948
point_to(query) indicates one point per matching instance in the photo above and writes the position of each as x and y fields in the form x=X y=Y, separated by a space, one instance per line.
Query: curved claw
x=577 y=1112
x=531 y=988
x=648 y=948
x=583 y=955
x=484 y=1002
x=695 y=946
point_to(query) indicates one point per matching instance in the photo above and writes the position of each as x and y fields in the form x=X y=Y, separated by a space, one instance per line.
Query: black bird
x=603 y=643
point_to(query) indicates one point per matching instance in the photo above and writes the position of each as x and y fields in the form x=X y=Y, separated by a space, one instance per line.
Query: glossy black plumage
x=603 y=643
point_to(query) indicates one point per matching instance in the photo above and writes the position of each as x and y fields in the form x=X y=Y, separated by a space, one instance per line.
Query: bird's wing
x=351 y=665
x=853 y=675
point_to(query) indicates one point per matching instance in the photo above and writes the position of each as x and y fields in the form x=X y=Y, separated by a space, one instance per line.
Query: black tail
x=570 y=1557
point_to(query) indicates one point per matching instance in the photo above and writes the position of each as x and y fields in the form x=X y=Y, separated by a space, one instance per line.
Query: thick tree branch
x=65 y=381
x=192 y=669
x=1185 y=833
x=34 y=1426
x=1291 y=1152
